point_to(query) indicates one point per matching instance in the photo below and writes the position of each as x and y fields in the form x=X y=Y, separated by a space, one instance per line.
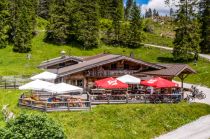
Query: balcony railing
x=108 y=73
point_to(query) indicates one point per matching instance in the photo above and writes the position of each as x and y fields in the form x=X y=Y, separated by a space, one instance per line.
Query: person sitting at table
x=150 y=90
x=49 y=99
x=176 y=93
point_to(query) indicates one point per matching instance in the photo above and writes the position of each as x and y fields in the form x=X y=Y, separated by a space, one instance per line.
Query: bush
x=149 y=28
x=28 y=126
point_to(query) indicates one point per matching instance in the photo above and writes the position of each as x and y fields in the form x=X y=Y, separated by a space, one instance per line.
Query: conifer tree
x=136 y=34
x=43 y=8
x=129 y=4
x=187 y=37
x=205 y=28
x=57 y=30
x=4 y=16
x=87 y=23
x=154 y=12
x=150 y=12
x=25 y=19
x=105 y=8
x=117 y=19
x=171 y=12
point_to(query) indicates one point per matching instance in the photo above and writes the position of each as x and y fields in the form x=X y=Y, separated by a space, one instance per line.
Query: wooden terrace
x=74 y=104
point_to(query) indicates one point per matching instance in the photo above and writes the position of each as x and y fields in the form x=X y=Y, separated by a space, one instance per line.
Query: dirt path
x=170 y=49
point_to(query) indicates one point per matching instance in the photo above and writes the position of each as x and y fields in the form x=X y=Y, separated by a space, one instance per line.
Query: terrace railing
x=55 y=106
x=134 y=98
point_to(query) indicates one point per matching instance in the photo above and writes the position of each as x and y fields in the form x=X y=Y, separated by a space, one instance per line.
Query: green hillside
x=17 y=63
x=159 y=32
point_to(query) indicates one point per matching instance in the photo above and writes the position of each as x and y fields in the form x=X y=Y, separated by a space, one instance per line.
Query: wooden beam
x=182 y=77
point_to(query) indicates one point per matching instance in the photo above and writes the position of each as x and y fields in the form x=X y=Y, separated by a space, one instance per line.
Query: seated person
x=49 y=99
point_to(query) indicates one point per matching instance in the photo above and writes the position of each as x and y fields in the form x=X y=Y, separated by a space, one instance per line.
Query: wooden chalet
x=84 y=71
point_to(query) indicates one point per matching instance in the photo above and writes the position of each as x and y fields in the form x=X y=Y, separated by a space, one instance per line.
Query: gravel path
x=205 y=90
x=199 y=129
x=170 y=49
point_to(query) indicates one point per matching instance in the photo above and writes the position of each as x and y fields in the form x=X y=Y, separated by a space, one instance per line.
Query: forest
x=89 y=23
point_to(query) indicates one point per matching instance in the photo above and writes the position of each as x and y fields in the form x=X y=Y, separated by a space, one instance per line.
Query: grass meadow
x=131 y=121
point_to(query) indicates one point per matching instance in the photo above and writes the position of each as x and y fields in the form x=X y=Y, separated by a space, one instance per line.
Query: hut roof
x=171 y=70
x=98 y=60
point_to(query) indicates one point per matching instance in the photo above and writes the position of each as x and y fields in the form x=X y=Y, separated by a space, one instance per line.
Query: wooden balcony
x=109 y=73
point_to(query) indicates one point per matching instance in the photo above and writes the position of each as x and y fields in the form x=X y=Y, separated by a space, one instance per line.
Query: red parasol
x=159 y=83
x=110 y=83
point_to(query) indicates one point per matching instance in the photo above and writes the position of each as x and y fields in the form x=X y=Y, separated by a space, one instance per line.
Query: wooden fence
x=134 y=98
x=55 y=106
x=78 y=105
x=9 y=85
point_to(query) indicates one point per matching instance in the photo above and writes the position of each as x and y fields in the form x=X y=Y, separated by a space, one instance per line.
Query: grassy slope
x=17 y=64
x=155 y=38
x=118 y=121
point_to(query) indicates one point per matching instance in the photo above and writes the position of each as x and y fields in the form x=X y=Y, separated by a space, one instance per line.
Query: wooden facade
x=83 y=72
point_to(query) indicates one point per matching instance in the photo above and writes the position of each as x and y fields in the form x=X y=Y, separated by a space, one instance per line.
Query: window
x=77 y=83
x=80 y=83
x=61 y=65
x=126 y=66
x=113 y=66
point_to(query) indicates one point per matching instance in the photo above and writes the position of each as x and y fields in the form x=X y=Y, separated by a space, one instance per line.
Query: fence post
x=5 y=84
x=89 y=99
x=145 y=98
x=68 y=106
x=126 y=98
x=15 y=84
x=45 y=107
x=108 y=98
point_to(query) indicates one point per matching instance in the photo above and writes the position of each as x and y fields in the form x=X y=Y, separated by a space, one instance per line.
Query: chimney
x=63 y=54
x=132 y=54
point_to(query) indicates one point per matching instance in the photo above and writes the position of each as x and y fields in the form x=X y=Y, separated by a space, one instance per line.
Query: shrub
x=27 y=126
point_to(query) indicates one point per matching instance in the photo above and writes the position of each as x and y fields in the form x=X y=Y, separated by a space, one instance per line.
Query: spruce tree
x=87 y=23
x=57 y=30
x=4 y=16
x=136 y=34
x=25 y=19
x=205 y=28
x=128 y=6
x=187 y=37
x=171 y=12
x=105 y=8
x=150 y=12
x=154 y=12
x=43 y=8
x=117 y=19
